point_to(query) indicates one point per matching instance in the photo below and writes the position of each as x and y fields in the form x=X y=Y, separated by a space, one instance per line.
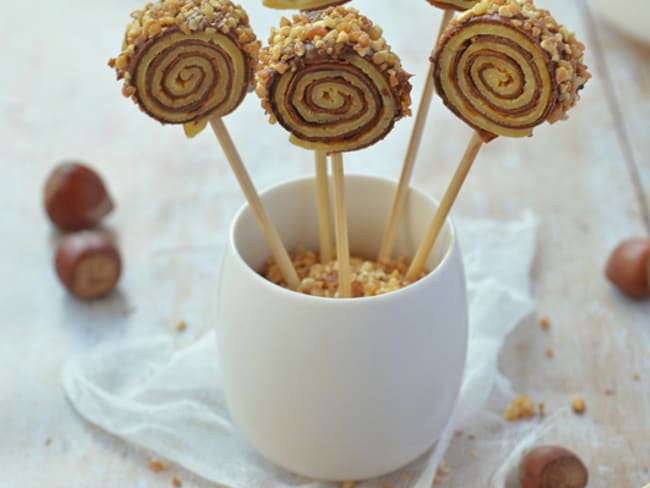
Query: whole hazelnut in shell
x=88 y=264
x=76 y=197
x=552 y=467
x=628 y=268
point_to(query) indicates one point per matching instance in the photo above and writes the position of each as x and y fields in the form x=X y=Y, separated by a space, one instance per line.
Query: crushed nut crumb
x=156 y=466
x=545 y=323
x=176 y=482
x=636 y=376
x=578 y=405
x=549 y=353
x=442 y=471
x=474 y=454
x=520 y=408
x=181 y=326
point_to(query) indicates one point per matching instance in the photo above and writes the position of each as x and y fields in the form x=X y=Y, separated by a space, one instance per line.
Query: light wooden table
x=588 y=179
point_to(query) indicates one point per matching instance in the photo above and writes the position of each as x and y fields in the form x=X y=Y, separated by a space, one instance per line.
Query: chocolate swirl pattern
x=453 y=4
x=301 y=4
x=183 y=62
x=339 y=105
x=504 y=75
x=180 y=78
x=330 y=92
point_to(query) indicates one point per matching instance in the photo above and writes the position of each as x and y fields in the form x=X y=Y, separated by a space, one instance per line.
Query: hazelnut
x=629 y=268
x=76 y=197
x=88 y=264
x=554 y=466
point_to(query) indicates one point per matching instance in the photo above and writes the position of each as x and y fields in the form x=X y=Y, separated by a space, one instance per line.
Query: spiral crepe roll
x=453 y=4
x=505 y=67
x=185 y=61
x=301 y=4
x=331 y=80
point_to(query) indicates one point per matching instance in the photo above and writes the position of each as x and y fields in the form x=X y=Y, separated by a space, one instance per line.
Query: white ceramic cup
x=341 y=389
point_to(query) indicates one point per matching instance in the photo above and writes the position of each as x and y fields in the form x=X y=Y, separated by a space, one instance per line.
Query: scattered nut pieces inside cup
x=552 y=466
x=88 y=264
x=370 y=278
x=75 y=197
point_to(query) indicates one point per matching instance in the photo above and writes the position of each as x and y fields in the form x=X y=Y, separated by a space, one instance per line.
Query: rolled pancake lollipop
x=301 y=4
x=453 y=4
x=331 y=80
x=190 y=62
x=505 y=67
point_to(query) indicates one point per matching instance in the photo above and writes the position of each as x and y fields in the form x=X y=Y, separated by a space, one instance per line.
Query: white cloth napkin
x=169 y=401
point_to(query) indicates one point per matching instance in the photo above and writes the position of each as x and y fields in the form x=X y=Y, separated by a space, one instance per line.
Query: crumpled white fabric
x=166 y=400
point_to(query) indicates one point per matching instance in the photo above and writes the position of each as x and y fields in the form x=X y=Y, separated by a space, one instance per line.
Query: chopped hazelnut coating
x=505 y=66
x=177 y=85
x=332 y=81
x=520 y=408
x=368 y=278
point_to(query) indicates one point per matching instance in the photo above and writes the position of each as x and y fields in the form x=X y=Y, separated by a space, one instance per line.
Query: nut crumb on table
x=549 y=353
x=442 y=471
x=545 y=323
x=176 y=482
x=578 y=405
x=520 y=408
x=181 y=326
x=369 y=278
x=156 y=466
x=636 y=376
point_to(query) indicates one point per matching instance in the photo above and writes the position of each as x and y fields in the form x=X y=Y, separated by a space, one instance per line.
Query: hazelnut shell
x=88 y=264
x=628 y=268
x=552 y=466
x=76 y=197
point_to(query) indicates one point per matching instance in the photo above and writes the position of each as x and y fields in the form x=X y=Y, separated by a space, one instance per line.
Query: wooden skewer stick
x=341 y=228
x=399 y=203
x=323 y=202
x=415 y=270
x=271 y=235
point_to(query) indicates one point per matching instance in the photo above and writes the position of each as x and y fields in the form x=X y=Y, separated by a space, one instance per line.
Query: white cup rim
x=342 y=302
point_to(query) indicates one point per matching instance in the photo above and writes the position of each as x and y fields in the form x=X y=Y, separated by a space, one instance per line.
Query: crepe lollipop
x=301 y=4
x=504 y=67
x=330 y=79
x=399 y=202
x=192 y=62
